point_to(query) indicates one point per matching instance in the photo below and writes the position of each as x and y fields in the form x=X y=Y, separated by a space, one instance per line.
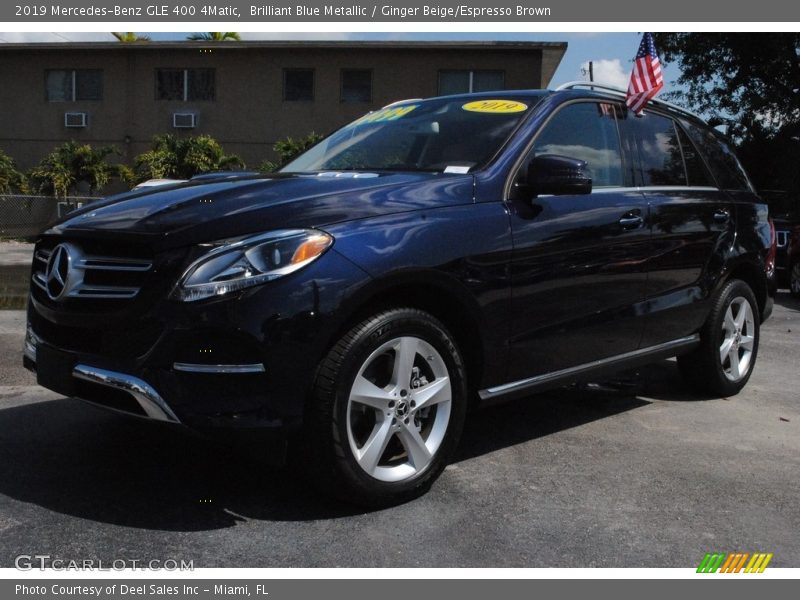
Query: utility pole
x=589 y=71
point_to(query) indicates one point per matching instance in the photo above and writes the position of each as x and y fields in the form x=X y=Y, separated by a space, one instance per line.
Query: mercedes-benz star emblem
x=58 y=270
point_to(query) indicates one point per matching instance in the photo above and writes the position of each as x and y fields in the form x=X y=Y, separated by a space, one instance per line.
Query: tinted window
x=724 y=165
x=587 y=131
x=169 y=84
x=466 y=81
x=185 y=84
x=356 y=85
x=659 y=150
x=298 y=85
x=488 y=81
x=696 y=169
x=88 y=84
x=58 y=86
x=200 y=84
x=71 y=85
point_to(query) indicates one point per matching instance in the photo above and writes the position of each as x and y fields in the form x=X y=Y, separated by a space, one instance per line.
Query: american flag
x=646 y=78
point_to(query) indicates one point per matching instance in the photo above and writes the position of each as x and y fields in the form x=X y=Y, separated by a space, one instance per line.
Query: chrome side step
x=148 y=398
x=556 y=378
x=201 y=368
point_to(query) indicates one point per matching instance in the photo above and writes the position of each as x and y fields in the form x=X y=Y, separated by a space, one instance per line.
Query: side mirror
x=558 y=175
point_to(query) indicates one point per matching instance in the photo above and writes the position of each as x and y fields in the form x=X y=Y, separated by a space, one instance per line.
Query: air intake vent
x=184 y=120
x=75 y=120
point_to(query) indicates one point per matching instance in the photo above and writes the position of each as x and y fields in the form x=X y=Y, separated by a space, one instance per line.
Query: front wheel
x=387 y=409
x=724 y=361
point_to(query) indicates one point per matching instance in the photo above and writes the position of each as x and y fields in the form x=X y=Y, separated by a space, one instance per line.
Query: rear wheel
x=725 y=359
x=387 y=409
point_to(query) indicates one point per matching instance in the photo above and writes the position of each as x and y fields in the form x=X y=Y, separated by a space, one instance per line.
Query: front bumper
x=233 y=363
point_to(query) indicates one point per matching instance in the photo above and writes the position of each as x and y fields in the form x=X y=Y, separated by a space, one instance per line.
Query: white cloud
x=608 y=71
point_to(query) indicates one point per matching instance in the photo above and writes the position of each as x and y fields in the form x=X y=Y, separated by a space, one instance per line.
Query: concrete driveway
x=579 y=477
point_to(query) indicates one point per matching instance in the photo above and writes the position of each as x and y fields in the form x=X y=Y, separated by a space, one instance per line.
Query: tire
x=723 y=362
x=794 y=279
x=387 y=409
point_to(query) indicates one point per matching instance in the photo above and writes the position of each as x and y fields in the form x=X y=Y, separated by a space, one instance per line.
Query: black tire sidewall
x=792 y=275
x=388 y=326
x=713 y=335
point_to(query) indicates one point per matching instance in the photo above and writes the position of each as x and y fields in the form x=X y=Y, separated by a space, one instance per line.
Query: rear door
x=578 y=265
x=692 y=224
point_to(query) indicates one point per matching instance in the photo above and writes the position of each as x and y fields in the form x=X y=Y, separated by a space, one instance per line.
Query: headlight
x=251 y=261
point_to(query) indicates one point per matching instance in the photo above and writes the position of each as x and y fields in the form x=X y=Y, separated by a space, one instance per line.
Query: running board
x=608 y=365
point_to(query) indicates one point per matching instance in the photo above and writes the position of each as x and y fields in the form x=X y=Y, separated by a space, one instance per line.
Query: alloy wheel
x=738 y=339
x=398 y=409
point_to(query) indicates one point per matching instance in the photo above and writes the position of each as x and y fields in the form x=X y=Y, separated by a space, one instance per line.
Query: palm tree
x=129 y=36
x=215 y=36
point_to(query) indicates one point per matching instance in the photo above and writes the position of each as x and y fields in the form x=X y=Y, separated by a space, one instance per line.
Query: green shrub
x=11 y=179
x=72 y=163
x=287 y=150
x=183 y=158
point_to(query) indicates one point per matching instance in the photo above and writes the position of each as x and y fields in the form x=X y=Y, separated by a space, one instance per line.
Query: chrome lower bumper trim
x=199 y=368
x=147 y=397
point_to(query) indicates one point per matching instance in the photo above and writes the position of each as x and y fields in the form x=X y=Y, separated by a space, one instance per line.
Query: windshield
x=450 y=135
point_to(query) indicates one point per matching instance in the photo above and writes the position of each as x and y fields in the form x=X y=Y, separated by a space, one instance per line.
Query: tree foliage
x=183 y=158
x=11 y=179
x=215 y=36
x=750 y=83
x=287 y=149
x=129 y=37
x=71 y=164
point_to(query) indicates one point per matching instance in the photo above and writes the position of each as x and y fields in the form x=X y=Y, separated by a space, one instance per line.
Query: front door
x=579 y=261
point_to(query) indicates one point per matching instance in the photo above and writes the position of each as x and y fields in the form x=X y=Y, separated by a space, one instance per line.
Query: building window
x=73 y=85
x=356 y=85
x=188 y=85
x=464 y=81
x=298 y=85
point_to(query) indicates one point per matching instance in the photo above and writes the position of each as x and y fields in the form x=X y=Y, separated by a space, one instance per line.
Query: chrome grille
x=783 y=238
x=88 y=272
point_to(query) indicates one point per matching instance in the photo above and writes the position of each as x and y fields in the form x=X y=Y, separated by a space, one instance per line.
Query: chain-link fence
x=23 y=216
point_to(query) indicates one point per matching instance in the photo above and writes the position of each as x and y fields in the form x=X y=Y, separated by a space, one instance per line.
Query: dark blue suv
x=430 y=254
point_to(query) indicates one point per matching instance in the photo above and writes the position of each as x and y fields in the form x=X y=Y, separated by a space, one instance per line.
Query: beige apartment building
x=245 y=94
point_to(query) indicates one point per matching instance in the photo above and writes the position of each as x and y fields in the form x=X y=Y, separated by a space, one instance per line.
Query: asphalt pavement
x=650 y=476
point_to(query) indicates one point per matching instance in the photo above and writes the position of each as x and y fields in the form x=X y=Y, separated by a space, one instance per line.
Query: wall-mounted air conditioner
x=76 y=119
x=184 y=120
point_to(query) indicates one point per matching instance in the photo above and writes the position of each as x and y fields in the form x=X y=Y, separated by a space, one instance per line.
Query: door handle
x=631 y=220
x=721 y=215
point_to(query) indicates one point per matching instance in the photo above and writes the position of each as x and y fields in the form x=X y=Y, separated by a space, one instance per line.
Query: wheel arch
x=753 y=275
x=444 y=297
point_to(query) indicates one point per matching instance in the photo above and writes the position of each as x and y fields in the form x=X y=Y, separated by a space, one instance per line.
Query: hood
x=213 y=210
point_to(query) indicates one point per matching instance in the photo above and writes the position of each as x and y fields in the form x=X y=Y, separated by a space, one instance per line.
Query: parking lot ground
x=648 y=477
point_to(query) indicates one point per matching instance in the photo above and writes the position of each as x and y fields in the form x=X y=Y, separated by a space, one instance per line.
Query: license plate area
x=54 y=370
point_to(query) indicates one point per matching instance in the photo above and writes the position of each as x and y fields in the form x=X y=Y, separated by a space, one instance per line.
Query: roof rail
x=570 y=85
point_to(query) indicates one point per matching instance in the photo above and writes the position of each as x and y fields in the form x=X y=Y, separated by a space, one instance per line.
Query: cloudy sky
x=611 y=53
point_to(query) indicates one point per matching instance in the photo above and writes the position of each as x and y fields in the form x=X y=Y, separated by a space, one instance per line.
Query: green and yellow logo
x=734 y=562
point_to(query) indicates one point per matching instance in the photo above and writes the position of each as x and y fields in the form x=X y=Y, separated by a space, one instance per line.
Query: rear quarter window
x=659 y=151
x=725 y=167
